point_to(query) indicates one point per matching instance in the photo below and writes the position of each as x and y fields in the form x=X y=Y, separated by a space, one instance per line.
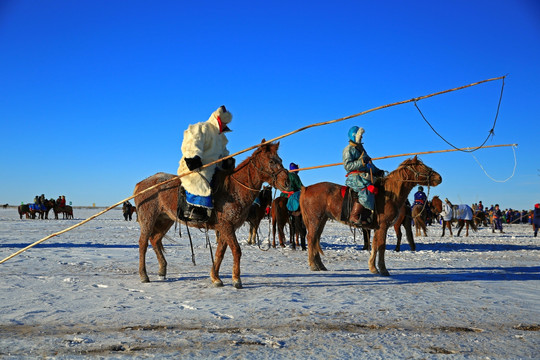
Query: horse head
x=436 y=205
x=270 y=166
x=418 y=172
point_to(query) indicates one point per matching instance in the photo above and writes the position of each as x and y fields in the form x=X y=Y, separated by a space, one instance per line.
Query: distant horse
x=281 y=216
x=461 y=213
x=66 y=211
x=5 y=206
x=234 y=193
x=404 y=219
x=257 y=212
x=24 y=209
x=128 y=210
x=419 y=216
x=323 y=201
x=480 y=217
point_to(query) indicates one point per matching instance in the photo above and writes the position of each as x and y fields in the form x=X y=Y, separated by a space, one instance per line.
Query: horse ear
x=415 y=158
x=263 y=141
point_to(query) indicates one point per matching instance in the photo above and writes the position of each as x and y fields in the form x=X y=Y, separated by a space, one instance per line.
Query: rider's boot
x=354 y=217
x=196 y=213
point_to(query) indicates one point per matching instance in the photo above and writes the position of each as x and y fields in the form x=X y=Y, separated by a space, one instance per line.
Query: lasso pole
x=248 y=149
x=408 y=154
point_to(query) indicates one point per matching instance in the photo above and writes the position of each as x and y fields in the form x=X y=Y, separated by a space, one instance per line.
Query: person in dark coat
x=536 y=219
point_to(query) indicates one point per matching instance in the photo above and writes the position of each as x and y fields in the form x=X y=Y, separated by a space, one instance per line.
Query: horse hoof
x=217 y=283
x=237 y=284
x=374 y=270
x=145 y=280
x=384 y=272
x=162 y=277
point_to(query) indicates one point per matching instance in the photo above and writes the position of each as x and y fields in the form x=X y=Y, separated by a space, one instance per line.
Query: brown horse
x=24 y=209
x=66 y=211
x=459 y=213
x=323 y=201
x=419 y=215
x=128 y=210
x=257 y=212
x=233 y=195
x=281 y=216
x=480 y=217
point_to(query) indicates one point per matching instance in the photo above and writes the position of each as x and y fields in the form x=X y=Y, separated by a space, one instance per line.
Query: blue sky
x=95 y=95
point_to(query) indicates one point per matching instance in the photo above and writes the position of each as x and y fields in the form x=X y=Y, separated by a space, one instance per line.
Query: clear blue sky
x=95 y=95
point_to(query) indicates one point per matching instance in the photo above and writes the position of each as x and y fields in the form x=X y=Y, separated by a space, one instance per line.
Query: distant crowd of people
x=495 y=215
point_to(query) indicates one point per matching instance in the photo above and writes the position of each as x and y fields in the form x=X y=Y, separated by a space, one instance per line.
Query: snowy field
x=78 y=295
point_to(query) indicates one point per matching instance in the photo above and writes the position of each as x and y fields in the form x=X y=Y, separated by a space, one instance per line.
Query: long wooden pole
x=408 y=154
x=248 y=149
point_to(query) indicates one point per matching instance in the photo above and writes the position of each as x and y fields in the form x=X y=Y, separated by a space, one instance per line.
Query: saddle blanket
x=462 y=212
x=37 y=207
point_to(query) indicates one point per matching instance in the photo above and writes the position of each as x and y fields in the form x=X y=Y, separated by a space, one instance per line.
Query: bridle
x=272 y=175
x=418 y=174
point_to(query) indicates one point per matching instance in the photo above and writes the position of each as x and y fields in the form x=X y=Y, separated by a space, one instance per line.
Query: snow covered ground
x=78 y=295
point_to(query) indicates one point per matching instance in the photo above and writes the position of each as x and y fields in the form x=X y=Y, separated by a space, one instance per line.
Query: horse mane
x=266 y=147
x=221 y=176
x=391 y=181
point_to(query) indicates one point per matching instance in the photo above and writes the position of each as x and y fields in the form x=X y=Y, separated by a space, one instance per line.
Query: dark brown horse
x=257 y=212
x=480 y=217
x=419 y=215
x=233 y=195
x=128 y=210
x=459 y=213
x=24 y=209
x=281 y=216
x=404 y=219
x=66 y=211
x=323 y=201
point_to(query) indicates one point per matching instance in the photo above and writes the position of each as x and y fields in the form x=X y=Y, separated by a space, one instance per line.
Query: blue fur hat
x=293 y=166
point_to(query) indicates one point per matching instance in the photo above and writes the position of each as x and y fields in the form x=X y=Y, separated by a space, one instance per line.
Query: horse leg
x=379 y=246
x=461 y=223
x=314 y=248
x=143 y=246
x=237 y=255
x=366 y=234
x=292 y=232
x=220 y=253
x=160 y=229
x=467 y=229
x=397 y=229
x=373 y=255
x=273 y=230
x=281 y=233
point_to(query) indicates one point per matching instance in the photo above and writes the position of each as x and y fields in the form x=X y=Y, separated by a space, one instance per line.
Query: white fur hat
x=359 y=135
x=223 y=114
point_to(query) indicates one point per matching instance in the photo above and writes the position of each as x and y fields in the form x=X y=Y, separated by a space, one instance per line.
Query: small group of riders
x=206 y=142
x=39 y=201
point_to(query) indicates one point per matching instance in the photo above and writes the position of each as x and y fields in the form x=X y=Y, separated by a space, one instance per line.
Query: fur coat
x=208 y=141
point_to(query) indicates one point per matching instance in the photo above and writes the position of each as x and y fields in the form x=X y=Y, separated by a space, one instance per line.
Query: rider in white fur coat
x=204 y=143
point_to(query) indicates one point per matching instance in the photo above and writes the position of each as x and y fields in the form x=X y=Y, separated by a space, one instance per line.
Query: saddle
x=349 y=198
x=188 y=212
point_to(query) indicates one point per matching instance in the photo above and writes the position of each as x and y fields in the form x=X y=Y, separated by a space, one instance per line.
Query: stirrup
x=196 y=213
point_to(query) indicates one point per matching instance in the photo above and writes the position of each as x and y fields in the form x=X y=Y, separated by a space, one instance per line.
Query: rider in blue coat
x=360 y=175
x=420 y=197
